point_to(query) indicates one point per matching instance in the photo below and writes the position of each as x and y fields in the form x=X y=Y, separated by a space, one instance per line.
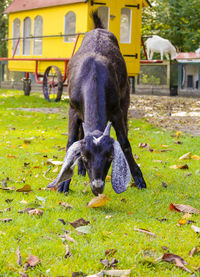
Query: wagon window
x=70 y=27
x=37 y=34
x=16 y=36
x=125 y=26
x=26 y=35
x=103 y=13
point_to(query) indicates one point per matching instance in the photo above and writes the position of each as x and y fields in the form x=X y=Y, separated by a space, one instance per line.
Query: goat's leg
x=81 y=167
x=120 y=129
x=73 y=131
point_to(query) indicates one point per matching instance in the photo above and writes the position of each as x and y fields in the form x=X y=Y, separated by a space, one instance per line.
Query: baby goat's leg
x=73 y=131
x=120 y=129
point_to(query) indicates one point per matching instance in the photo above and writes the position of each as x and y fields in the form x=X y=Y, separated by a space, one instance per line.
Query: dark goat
x=99 y=92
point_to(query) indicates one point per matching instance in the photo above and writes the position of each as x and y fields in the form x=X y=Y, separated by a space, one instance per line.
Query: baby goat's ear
x=67 y=170
x=121 y=175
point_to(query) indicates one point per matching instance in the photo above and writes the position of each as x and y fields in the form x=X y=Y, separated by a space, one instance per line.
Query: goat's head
x=97 y=150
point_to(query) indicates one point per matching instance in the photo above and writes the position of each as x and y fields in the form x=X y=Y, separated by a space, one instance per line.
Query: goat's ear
x=67 y=170
x=121 y=175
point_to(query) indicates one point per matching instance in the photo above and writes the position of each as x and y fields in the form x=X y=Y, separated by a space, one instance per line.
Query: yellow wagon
x=44 y=34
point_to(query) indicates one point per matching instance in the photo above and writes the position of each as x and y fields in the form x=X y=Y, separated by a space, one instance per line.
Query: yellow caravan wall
x=129 y=50
x=53 y=24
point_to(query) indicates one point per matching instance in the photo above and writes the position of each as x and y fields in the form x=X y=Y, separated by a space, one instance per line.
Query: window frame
x=14 y=42
x=34 y=24
x=130 y=26
x=24 y=40
x=73 y=38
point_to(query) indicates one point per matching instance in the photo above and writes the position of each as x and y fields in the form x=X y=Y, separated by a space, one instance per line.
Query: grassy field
x=29 y=137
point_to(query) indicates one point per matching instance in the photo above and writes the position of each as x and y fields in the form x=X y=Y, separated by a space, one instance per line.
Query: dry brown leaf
x=184 y=166
x=145 y=145
x=19 y=258
x=113 y=273
x=25 y=210
x=79 y=222
x=67 y=252
x=8 y=189
x=25 y=188
x=186 y=156
x=11 y=156
x=177 y=260
x=193 y=251
x=5 y=220
x=36 y=212
x=183 y=208
x=65 y=205
x=98 y=201
x=144 y=231
x=32 y=260
x=68 y=238
x=110 y=252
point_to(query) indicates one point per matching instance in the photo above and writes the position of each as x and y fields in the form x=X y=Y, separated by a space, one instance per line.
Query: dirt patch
x=175 y=113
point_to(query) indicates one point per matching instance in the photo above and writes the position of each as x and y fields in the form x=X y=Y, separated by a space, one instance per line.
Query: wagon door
x=130 y=34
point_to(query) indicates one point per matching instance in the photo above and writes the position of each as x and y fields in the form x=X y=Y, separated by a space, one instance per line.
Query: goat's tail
x=97 y=20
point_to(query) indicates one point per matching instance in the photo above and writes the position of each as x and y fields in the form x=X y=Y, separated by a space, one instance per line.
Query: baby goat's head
x=97 y=150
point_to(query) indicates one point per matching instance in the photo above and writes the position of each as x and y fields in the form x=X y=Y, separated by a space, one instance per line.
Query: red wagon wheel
x=52 y=84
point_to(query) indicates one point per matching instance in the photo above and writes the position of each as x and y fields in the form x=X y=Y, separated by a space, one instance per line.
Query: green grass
x=41 y=236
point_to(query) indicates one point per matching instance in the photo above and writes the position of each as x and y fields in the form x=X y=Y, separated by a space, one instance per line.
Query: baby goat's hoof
x=64 y=186
x=140 y=182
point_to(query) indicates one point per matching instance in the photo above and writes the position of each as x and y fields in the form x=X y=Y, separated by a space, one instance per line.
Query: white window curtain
x=37 y=34
x=16 y=36
x=103 y=13
x=70 y=27
x=125 y=26
x=26 y=34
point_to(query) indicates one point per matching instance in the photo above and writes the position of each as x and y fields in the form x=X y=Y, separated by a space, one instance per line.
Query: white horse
x=156 y=44
x=197 y=51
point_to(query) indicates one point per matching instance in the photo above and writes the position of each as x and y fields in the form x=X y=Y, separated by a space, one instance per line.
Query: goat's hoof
x=139 y=182
x=64 y=186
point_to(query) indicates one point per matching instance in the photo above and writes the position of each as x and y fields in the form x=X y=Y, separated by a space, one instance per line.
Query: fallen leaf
x=25 y=210
x=184 y=166
x=79 y=222
x=195 y=157
x=9 y=189
x=62 y=221
x=84 y=229
x=32 y=260
x=186 y=156
x=52 y=162
x=177 y=260
x=36 y=212
x=182 y=221
x=144 y=231
x=9 y=200
x=183 y=208
x=113 y=273
x=164 y=185
x=65 y=205
x=110 y=252
x=19 y=258
x=195 y=228
x=78 y=274
x=5 y=219
x=68 y=238
x=25 y=188
x=136 y=157
x=55 y=170
x=193 y=251
x=67 y=252
x=145 y=145
x=105 y=262
x=98 y=201
x=178 y=134
x=8 y=209
x=11 y=156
